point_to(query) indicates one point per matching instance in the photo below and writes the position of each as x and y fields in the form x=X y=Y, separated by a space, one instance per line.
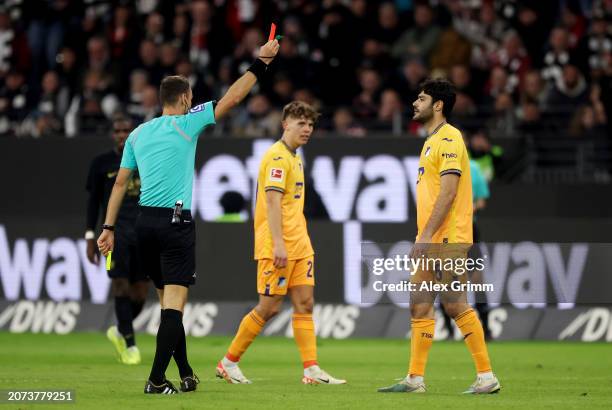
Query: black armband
x=108 y=227
x=259 y=68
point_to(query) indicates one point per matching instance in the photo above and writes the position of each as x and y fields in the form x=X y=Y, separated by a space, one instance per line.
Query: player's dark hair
x=171 y=88
x=299 y=109
x=440 y=90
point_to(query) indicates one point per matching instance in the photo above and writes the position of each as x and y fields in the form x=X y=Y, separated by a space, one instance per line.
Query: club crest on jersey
x=276 y=174
x=427 y=150
x=447 y=139
x=197 y=108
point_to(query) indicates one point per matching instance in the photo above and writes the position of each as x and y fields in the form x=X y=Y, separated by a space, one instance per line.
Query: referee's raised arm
x=237 y=91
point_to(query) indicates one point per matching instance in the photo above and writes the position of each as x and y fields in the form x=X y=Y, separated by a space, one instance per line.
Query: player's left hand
x=106 y=242
x=268 y=51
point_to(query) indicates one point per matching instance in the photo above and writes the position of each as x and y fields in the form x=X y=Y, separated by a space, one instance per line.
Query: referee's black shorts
x=166 y=250
x=126 y=261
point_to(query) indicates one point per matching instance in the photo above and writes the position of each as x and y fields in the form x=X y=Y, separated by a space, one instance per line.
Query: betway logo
x=373 y=189
x=522 y=274
x=198 y=319
x=58 y=268
x=331 y=321
x=596 y=325
x=40 y=317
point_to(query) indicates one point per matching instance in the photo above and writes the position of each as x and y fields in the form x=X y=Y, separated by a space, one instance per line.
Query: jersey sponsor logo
x=427 y=151
x=449 y=155
x=196 y=109
x=276 y=174
x=447 y=139
x=276 y=158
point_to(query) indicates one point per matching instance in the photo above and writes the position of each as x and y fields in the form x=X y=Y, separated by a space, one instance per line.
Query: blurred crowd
x=539 y=67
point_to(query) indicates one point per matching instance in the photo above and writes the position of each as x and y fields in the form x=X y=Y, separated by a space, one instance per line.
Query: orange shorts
x=272 y=281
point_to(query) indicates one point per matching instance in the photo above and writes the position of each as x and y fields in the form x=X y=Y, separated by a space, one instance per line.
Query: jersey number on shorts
x=309 y=273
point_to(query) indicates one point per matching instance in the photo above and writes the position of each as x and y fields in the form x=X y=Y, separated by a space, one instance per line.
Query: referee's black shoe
x=189 y=383
x=165 y=388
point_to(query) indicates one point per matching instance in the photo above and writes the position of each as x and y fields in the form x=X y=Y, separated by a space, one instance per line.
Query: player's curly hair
x=440 y=90
x=299 y=109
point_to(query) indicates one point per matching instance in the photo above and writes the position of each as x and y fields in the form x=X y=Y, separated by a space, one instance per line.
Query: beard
x=423 y=116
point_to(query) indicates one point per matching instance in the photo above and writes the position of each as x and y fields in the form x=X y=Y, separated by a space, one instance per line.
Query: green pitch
x=532 y=374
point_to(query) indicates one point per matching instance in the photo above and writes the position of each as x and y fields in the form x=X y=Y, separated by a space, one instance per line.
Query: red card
x=272 y=32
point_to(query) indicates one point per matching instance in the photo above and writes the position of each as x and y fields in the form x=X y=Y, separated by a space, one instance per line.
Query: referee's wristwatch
x=108 y=227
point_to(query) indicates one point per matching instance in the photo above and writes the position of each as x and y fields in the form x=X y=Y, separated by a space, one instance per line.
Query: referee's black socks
x=180 y=355
x=123 y=310
x=168 y=335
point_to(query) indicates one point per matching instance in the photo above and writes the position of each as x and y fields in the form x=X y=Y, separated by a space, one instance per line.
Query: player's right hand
x=93 y=254
x=268 y=51
x=280 y=256
x=106 y=241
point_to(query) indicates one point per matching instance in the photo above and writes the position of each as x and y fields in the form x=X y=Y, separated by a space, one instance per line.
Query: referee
x=163 y=150
x=129 y=286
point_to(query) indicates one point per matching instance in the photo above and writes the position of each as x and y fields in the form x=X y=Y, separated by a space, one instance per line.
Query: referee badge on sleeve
x=276 y=175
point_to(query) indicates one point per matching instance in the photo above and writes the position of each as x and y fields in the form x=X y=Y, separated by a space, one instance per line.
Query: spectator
x=570 y=91
x=594 y=45
x=408 y=79
x=14 y=51
x=68 y=69
x=558 y=55
x=14 y=102
x=390 y=112
x=587 y=124
x=138 y=82
x=513 y=58
x=168 y=57
x=451 y=49
x=530 y=118
x=503 y=122
x=533 y=88
x=154 y=28
x=149 y=61
x=282 y=90
x=388 y=29
x=201 y=90
x=180 y=31
x=365 y=104
x=344 y=124
x=420 y=40
x=259 y=119
x=90 y=111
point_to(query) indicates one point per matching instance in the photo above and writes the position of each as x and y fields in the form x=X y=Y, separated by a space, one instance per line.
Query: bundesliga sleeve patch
x=197 y=108
x=276 y=175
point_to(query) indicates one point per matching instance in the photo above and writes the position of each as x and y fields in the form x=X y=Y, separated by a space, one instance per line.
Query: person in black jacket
x=129 y=285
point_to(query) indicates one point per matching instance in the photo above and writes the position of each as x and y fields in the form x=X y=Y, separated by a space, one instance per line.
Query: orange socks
x=420 y=343
x=473 y=335
x=304 y=334
x=249 y=328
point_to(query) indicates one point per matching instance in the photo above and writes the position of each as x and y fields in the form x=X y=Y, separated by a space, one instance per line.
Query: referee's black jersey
x=100 y=181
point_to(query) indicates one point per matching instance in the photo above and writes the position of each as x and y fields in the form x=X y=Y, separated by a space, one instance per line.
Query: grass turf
x=533 y=374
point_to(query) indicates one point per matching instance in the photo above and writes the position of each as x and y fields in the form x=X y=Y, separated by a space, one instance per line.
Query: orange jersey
x=444 y=153
x=281 y=170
